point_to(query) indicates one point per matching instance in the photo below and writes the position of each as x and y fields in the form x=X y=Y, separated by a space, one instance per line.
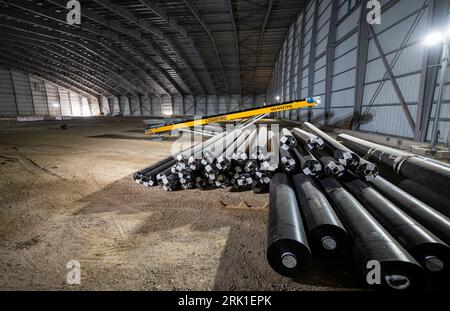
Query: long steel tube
x=307 y=163
x=287 y=161
x=232 y=149
x=185 y=155
x=326 y=232
x=288 y=250
x=261 y=146
x=198 y=153
x=287 y=140
x=429 y=173
x=373 y=244
x=419 y=191
x=330 y=165
x=339 y=152
x=140 y=174
x=271 y=159
x=149 y=178
x=431 y=252
x=311 y=141
x=431 y=219
x=242 y=152
x=225 y=160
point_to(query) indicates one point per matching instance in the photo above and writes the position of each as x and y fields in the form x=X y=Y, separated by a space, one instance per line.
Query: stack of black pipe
x=398 y=239
x=386 y=209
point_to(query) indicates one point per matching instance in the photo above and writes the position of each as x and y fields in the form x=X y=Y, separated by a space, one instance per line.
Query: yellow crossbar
x=308 y=102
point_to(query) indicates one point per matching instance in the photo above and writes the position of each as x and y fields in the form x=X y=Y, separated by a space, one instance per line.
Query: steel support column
x=437 y=17
x=331 y=48
x=14 y=92
x=363 y=50
x=312 y=56
x=301 y=52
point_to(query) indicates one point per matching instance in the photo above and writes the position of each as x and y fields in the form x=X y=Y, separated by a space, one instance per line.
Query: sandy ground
x=68 y=195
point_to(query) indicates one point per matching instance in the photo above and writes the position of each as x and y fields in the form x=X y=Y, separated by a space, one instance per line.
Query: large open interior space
x=198 y=147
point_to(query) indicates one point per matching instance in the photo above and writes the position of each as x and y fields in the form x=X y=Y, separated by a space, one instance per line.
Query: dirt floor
x=69 y=195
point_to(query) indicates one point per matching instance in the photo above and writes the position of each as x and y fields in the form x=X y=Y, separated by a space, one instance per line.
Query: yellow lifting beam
x=243 y=114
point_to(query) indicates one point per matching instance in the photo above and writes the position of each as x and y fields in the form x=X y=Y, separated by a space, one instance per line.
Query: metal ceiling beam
x=130 y=17
x=41 y=39
x=26 y=5
x=236 y=40
x=35 y=70
x=190 y=4
x=156 y=9
x=260 y=39
x=137 y=35
x=114 y=25
x=29 y=60
x=56 y=27
x=125 y=13
x=55 y=36
x=189 y=67
x=145 y=59
x=74 y=69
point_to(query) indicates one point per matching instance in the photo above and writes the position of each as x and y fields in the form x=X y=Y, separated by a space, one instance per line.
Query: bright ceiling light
x=434 y=38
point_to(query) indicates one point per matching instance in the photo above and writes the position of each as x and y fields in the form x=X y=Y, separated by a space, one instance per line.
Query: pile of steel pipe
x=433 y=175
x=329 y=198
x=349 y=207
x=243 y=159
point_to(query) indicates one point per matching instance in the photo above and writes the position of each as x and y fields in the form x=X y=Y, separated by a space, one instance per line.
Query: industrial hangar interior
x=224 y=145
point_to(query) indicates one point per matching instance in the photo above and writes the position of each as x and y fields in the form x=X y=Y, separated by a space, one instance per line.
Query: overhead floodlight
x=434 y=38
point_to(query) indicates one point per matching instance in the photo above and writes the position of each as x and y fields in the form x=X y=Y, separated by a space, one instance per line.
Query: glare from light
x=434 y=38
x=277 y=98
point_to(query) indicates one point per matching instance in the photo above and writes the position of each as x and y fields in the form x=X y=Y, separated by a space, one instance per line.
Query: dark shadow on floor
x=243 y=264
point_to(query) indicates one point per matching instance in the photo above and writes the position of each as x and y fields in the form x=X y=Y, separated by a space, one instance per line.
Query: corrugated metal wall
x=135 y=106
x=75 y=102
x=85 y=109
x=156 y=106
x=22 y=90
x=39 y=96
x=114 y=105
x=66 y=107
x=54 y=105
x=104 y=106
x=48 y=99
x=146 y=104
x=7 y=100
x=347 y=70
x=24 y=95
x=444 y=121
x=166 y=105
x=94 y=106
